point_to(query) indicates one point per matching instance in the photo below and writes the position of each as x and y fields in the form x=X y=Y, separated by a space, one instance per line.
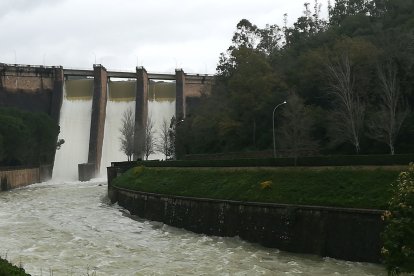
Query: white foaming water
x=66 y=229
x=160 y=110
x=111 y=150
x=75 y=122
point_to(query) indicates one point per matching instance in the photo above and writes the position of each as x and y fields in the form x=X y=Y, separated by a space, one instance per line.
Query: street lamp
x=273 y=120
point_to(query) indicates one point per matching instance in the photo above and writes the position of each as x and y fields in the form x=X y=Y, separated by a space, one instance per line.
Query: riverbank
x=349 y=187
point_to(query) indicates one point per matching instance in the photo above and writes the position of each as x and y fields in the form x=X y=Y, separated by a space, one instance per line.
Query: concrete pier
x=98 y=115
x=141 y=112
x=179 y=94
x=57 y=94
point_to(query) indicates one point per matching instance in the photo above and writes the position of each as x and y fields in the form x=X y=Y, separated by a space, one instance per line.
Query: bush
x=398 y=236
x=10 y=270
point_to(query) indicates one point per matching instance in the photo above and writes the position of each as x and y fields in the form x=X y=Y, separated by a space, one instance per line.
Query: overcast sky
x=160 y=35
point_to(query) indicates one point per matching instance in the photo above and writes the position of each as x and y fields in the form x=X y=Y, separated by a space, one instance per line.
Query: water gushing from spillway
x=121 y=97
x=160 y=111
x=161 y=107
x=64 y=229
x=75 y=122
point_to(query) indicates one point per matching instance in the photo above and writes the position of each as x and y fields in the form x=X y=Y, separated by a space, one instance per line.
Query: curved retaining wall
x=349 y=234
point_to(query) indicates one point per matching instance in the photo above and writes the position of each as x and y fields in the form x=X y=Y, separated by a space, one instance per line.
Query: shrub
x=398 y=235
x=10 y=270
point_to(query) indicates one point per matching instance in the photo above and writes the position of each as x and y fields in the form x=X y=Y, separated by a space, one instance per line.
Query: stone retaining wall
x=14 y=177
x=349 y=234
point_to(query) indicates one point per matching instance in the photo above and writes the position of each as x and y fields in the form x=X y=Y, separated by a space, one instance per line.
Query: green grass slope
x=339 y=187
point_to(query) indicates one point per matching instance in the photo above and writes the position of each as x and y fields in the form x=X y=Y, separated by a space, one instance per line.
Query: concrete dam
x=88 y=105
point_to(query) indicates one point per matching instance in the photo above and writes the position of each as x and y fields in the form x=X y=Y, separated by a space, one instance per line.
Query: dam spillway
x=121 y=97
x=41 y=89
x=75 y=121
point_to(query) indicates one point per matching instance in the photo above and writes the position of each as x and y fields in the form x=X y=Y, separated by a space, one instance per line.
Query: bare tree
x=385 y=124
x=150 y=141
x=348 y=117
x=164 y=139
x=127 y=133
x=295 y=132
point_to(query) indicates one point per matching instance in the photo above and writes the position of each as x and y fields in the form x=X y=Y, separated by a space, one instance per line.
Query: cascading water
x=75 y=122
x=161 y=107
x=121 y=97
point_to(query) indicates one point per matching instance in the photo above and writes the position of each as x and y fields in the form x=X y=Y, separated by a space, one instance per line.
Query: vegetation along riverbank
x=7 y=268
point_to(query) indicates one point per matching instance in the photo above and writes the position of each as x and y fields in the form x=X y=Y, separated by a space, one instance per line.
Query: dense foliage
x=348 y=81
x=26 y=138
x=341 y=187
x=10 y=270
x=398 y=237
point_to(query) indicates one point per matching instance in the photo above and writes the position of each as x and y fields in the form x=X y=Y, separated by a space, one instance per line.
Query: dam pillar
x=57 y=93
x=141 y=112
x=179 y=94
x=99 y=99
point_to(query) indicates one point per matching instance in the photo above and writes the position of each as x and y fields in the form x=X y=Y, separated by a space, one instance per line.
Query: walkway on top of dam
x=131 y=75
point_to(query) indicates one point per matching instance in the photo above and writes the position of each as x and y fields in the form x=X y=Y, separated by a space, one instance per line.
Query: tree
x=127 y=133
x=29 y=138
x=165 y=142
x=386 y=122
x=348 y=116
x=295 y=132
x=16 y=139
x=398 y=235
x=150 y=141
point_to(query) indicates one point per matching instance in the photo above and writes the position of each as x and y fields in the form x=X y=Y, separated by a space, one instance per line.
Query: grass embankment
x=8 y=269
x=340 y=187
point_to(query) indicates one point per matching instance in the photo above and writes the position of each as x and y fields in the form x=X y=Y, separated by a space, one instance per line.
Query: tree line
x=348 y=81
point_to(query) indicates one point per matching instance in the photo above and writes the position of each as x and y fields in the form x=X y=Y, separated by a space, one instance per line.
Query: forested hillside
x=348 y=81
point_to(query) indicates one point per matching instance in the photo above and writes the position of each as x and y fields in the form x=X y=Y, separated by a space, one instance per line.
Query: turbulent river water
x=58 y=228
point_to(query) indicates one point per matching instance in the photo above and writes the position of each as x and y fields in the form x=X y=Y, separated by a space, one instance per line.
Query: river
x=57 y=228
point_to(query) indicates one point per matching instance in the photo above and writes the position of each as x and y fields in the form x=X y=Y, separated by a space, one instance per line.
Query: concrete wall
x=11 y=178
x=348 y=234
x=188 y=89
x=31 y=88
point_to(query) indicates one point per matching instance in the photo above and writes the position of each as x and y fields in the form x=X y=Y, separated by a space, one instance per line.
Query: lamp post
x=273 y=120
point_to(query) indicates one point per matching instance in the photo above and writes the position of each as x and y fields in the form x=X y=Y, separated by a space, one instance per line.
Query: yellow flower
x=266 y=184
x=137 y=170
